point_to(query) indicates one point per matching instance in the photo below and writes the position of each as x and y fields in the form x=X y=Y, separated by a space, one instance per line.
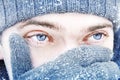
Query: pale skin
x=49 y=36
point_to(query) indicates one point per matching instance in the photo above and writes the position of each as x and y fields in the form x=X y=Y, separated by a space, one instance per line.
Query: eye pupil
x=41 y=37
x=97 y=36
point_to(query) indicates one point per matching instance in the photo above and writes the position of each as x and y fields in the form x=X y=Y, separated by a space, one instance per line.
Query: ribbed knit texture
x=13 y=11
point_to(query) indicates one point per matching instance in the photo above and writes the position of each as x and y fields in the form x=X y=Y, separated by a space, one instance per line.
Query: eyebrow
x=42 y=23
x=54 y=26
x=93 y=28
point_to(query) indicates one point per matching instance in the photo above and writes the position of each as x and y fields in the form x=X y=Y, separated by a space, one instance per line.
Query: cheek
x=42 y=55
x=109 y=43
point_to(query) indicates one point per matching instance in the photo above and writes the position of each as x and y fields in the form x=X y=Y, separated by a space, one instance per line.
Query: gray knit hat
x=13 y=11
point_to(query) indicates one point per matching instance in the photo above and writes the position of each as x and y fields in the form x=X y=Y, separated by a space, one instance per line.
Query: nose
x=70 y=44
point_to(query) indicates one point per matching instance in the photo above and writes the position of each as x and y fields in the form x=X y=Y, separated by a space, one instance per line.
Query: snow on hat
x=13 y=11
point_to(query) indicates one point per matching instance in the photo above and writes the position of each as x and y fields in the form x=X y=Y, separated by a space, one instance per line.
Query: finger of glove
x=20 y=56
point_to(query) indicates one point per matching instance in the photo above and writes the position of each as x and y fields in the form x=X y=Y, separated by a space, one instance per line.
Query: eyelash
x=34 y=34
x=90 y=35
x=32 y=37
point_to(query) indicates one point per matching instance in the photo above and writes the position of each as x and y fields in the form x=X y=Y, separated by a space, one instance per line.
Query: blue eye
x=97 y=36
x=41 y=37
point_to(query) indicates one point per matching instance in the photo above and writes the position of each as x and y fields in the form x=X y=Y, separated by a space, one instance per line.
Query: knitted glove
x=83 y=63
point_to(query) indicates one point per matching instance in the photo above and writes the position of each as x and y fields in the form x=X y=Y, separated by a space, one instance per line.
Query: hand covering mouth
x=87 y=62
x=83 y=63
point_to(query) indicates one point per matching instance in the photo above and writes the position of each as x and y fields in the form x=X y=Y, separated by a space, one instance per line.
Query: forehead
x=73 y=20
x=72 y=17
x=67 y=22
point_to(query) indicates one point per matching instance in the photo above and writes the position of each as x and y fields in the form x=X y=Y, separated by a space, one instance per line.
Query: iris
x=41 y=37
x=97 y=36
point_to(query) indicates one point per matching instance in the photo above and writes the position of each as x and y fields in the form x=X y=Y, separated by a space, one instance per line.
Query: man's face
x=51 y=35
